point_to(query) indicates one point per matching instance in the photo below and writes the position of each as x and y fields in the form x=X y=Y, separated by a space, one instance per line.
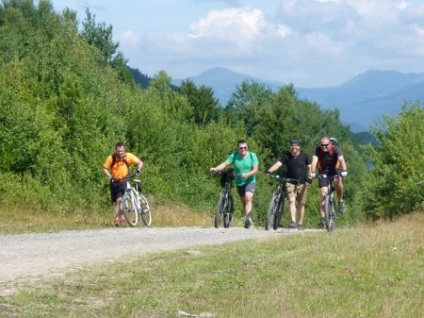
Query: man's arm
x=314 y=164
x=140 y=164
x=107 y=173
x=342 y=162
x=251 y=173
x=275 y=167
x=221 y=166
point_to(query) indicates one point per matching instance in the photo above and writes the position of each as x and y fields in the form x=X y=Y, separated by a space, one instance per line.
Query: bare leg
x=339 y=188
x=292 y=208
x=323 y=191
x=119 y=209
x=247 y=204
x=301 y=209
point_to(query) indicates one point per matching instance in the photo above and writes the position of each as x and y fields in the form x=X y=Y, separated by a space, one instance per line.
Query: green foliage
x=67 y=97
x=100 y=36
x=394 y=185
x=246 y=105
x=202 y=101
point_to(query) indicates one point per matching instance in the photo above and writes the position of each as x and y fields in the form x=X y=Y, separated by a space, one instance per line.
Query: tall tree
x=246 y=104
x=202 y=100
x=101 y=36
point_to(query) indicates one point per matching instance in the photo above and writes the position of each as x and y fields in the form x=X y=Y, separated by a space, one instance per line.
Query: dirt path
x=31 y=256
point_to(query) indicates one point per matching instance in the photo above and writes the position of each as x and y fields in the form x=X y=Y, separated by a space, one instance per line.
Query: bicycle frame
x=225 y=204
x=276 y=206
x=134 y=194
x=135 y=204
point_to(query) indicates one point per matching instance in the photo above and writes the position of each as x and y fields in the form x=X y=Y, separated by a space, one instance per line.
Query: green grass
x=20 y=221
x=368 y=271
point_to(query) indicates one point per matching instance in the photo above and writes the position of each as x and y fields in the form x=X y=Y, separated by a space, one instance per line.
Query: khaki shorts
x=299 y=191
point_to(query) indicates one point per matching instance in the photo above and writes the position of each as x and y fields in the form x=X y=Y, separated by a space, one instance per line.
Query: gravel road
x=30 y=256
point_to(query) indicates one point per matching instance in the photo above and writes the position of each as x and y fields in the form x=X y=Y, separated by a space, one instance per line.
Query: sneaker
x=247 y=224
x=321 y=223
x=292 y=225
x=122 y=221
x=342 y=207
x=299 y=227
x=119 y=221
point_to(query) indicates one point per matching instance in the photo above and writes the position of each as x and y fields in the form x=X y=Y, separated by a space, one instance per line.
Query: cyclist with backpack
x=117 y=168
x=246 y=167
x=328 y=159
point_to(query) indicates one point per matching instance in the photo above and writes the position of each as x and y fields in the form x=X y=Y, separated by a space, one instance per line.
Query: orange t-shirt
x=120 y=170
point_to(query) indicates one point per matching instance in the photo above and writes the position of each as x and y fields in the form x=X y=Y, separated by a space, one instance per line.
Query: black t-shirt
x=296 y=166
x=328 y=162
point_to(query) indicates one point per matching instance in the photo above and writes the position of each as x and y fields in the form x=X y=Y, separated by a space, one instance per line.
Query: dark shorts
x=246 y=188
x=323 y=179
x=117 y=190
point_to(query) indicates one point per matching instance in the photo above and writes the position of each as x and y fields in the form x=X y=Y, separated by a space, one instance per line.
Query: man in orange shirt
x=117 y=169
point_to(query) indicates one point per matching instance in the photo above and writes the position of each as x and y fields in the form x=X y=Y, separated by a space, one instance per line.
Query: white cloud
x=239 y=26
x=308 y=42
x=130 y=38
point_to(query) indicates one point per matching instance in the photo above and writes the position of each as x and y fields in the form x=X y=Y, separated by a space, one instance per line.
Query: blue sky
x=311 y=43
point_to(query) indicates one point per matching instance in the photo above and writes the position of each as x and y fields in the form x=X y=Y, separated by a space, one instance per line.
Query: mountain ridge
x=361 y=99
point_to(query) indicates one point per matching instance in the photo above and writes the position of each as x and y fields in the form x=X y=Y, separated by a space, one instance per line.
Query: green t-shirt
x=243 y=165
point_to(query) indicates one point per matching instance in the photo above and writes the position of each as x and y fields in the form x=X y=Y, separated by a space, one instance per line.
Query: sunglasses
x=326 y=145
x=243 y=148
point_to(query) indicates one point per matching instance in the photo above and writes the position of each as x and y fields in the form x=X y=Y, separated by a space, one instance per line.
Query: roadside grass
x=18 y=221
x=372 y=270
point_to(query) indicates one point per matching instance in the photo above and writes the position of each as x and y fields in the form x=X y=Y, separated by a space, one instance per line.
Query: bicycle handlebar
x=330 y=178
x=283 y=179
x=132 y=175
x=226 y=171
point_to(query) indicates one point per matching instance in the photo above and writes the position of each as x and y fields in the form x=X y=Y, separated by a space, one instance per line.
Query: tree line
x=67 y=96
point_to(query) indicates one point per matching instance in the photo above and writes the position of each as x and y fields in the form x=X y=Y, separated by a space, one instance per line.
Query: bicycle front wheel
x=227 y=216
x=279 y=211
x=272 y=211
x=130 y=210
x=329 y=209
x=220 y=209
x=145 y=213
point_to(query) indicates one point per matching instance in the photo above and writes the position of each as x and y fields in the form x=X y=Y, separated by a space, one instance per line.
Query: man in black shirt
x=297 y=164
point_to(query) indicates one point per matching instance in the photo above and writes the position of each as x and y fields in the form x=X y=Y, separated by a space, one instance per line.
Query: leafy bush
x=394 y=186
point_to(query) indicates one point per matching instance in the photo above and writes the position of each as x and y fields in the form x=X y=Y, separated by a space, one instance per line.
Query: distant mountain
x=368 y=96
x=224 y=82
x=360 y=100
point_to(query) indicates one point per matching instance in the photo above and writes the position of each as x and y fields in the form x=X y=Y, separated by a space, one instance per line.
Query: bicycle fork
x=136 y=202
x=228 y=203
x=332 y=206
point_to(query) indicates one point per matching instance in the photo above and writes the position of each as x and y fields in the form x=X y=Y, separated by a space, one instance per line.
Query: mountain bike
x=135 y=204
x=330 y=212
x=276 y=206
x=225 y=204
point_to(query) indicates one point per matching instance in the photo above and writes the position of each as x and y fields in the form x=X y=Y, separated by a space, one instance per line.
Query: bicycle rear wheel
x=145 y=213
x=130 y=211
x=272 y=211
x=220 y=209
x=329 y=209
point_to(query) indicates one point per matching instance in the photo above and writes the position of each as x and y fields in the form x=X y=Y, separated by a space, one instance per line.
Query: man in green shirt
x=245 y=168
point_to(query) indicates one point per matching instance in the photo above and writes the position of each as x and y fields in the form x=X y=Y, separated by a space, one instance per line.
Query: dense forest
x=67 y=96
